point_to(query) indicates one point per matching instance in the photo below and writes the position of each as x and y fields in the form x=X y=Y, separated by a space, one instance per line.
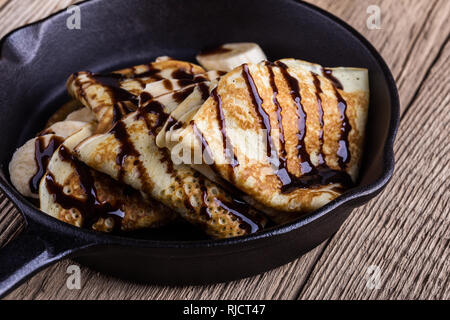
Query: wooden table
x=405 y=231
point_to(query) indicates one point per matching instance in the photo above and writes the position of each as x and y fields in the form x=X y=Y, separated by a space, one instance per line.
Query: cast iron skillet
x=35 y=62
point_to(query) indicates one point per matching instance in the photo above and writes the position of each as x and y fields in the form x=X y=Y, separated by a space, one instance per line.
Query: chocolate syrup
x=173 y=124
x=151 y=73
x=214 y=50
x=167 y=84
x=282 y=171
x=42 y=155
x=343 y=151
x=240 y=210
x=329 y=75
x=180 y=95
x=127 y=149
x=112 y=82
x=208 y=158
x=264 y=118
x=167 y=159
x=305 y=161
x=182 y=74
x=319 y=91
x=91 y=208
x=204 y=89
x=230 y=156
x=317 y=176
x=156 y=108
x=144 y=97
x=120 y=109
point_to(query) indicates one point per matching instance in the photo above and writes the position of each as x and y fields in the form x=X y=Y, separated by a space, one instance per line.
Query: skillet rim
x=29 y=211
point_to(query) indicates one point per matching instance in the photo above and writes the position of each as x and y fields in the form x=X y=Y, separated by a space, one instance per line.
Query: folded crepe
x=72 y=192
x=111 y=96
x=288 y=134
x=128 y=153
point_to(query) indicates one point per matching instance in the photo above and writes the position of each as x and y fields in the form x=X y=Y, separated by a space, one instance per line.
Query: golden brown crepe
x=111 y=96
x=315 y=119
x=72 y=192
x=129 y=154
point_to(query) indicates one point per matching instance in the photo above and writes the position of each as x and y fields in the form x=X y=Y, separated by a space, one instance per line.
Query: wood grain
x=412 y=34
x=16 y=13
x=407 y=231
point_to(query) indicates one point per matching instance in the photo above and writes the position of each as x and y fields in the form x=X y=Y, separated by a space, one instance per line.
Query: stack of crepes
x=224 y=151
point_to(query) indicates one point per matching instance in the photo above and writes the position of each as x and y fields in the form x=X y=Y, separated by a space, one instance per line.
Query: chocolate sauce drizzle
x=204 y=89
x=120 y=109
x=91 y=208
x=183 y=74
x=264 y=118
x=343 y=151
x=156 y=108
x=214 y=50
x=316 y=176
x=127 y=149
x=173 y=124
x=167 y=84
x=236 y=207
x=228 y=148
x=208 y=158
x=282 y=171
x=240 y=209
x=319 y=91
x=328 y=73
x=144 y=97
x=112 y=82
x=42 y=155
x=294 y=87
x=180 y=95
x=152 y=72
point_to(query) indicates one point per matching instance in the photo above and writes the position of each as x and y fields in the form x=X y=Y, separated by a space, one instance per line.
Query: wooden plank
x=284 y=282
x=16 y=13
x=406 y=232
x=3 y=4
x=410 y=37
x=11 y=222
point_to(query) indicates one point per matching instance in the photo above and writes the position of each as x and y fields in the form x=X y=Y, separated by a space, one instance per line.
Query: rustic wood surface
x=405 y=231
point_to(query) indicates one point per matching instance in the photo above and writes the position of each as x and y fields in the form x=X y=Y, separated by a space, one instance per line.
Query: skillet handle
x=27 y=254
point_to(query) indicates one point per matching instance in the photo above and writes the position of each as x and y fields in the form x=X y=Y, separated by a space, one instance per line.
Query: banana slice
x=84 y=114
x=231 y=55
x=25 y=169
x=64 y=128
x=29 y=162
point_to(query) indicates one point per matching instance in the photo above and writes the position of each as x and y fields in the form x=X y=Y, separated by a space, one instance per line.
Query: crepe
x=73 y=193
x=111 y=96
x=289 y=135
x=129 y=154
